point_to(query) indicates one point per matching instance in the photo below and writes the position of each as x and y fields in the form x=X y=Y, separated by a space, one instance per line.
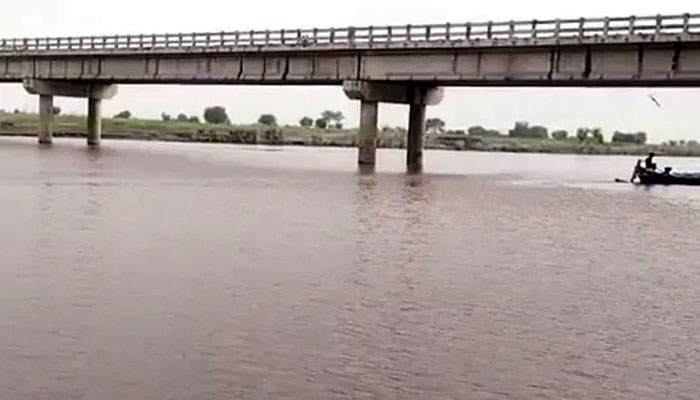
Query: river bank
x=184 y=131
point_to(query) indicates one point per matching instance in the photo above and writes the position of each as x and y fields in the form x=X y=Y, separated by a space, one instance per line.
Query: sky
x=499 y=108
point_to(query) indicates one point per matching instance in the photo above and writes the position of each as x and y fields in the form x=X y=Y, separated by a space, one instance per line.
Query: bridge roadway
x=405 y=64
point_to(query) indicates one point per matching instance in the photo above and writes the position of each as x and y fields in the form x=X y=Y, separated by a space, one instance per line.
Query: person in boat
x=649 y=162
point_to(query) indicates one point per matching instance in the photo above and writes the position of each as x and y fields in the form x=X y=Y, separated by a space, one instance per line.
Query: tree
x=582 y=134
x=560 y=135
x=56 y=110
x=182 y=117
x=126 y=114
x=332 y=117
x=597 y=135
x=268 y=120
x=306 y=122
x=629 y=138
x=524 y=130
x=641 y=137
x=194 y=119
x=435 y=126
x=165 y=117
x=481 y=131
x=16 y=111
x=321 y=123
x=339 y=125
x=216 y=115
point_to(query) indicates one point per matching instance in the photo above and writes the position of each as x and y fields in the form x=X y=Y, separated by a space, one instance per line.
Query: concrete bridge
x=407 y=64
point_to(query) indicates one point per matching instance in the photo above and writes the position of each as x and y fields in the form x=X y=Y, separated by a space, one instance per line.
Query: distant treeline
x=523 y=130
x=331 y=122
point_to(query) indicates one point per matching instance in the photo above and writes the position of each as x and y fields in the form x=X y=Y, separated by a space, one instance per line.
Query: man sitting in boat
x=649 y=162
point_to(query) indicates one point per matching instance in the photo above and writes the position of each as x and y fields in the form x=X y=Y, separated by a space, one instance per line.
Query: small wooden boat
x=667 y=177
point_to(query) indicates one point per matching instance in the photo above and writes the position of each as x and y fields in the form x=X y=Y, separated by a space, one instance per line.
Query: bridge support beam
x=45 y=119
x=94 y=92
x=418 y=96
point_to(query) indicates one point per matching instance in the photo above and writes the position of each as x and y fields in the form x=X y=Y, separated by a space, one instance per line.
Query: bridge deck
x=660 y=28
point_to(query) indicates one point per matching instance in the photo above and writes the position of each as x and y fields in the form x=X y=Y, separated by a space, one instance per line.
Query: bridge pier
x=416 y=137
x=367 y=137
x=418 y=96
x=94 y=122
x=45 y=119
x=94 y=92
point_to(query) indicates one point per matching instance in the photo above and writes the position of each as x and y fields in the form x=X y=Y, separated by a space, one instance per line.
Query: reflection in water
x=366 y=169
x=150 y=271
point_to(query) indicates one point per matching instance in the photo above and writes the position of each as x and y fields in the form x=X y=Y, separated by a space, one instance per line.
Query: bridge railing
x=583 y=28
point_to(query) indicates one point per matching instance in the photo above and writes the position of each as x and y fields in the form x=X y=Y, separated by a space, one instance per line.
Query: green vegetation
x=535 y=139
x=333 y=119
x=126 y=114
x=268 y=120
x=306 y=122
x=321 y=123
x=481 y=131
x=560 y=135
x=435 y=126
x=524 y=130
x=216 y=115
x=324 y=132
x=633 y=138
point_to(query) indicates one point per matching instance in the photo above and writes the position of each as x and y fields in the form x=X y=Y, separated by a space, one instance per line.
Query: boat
x=649 y=176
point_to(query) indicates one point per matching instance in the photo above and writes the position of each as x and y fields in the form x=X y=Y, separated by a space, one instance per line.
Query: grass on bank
x=142 y=129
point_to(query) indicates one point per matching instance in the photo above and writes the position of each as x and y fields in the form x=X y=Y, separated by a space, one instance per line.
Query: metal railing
x=370 y=36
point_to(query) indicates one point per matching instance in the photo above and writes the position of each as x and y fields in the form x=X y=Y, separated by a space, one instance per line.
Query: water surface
x=187 y=271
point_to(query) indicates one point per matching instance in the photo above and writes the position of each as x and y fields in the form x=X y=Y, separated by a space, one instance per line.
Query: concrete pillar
x=367 y=138
x=94 y=124
x=417 y=95
x=416 y=134
x=45 y=119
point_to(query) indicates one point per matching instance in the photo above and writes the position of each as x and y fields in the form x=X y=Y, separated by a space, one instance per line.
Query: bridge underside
x=647 y=64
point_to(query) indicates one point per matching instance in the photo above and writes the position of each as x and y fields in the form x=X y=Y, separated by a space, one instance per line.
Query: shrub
x=560 y=135
x=481 y=131
x=126 y=114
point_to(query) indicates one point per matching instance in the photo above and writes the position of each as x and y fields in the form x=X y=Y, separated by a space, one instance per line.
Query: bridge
x=405 y=64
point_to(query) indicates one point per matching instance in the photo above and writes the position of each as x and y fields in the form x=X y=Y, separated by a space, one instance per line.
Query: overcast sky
x=611 y=109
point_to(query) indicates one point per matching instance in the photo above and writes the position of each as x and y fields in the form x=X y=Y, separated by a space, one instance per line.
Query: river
x=154 y=270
